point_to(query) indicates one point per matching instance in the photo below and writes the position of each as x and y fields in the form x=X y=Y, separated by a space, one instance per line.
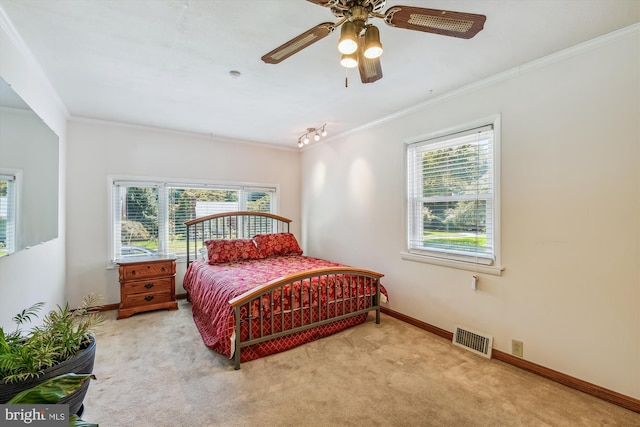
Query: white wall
x=36 y=274
x=97 y=150
x=22 y=134
x=570 y=206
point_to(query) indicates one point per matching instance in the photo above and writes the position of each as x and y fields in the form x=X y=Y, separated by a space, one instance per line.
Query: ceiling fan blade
x=324 y=3
x=370 y=69
x=444 y=22
x=296 y=44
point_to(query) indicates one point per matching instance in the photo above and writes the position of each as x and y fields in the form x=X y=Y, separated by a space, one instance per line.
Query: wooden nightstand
x=147 y=283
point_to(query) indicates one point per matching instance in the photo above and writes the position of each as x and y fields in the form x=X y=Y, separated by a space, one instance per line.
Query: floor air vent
x=473 y=341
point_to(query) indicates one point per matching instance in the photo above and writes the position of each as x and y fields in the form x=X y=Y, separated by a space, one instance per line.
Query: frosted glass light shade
x=372 y=45
x=348 y=38
x=349 y=61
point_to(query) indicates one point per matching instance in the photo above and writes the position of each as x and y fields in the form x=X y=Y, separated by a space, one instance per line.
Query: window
x=8 y=206
x=148 y=217
x=452 y=206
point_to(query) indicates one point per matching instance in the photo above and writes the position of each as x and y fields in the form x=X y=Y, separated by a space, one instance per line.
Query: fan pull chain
x=346 y=77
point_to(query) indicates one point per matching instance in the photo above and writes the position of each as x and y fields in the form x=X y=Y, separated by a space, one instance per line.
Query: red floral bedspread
x=211 y=287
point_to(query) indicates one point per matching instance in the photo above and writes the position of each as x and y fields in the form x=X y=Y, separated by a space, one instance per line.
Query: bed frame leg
x=377 y=301
x=236 y=352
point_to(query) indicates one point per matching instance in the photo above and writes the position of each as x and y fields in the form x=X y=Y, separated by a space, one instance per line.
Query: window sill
x=460 y=265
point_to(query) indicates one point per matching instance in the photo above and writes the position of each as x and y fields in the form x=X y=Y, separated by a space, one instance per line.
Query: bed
x=254 y=293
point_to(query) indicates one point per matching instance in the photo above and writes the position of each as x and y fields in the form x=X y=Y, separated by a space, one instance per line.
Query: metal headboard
x=231 y=225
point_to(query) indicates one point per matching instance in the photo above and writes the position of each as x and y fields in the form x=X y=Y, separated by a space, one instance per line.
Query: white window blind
x=148 y=217
x=8 y=207
x=451 y=196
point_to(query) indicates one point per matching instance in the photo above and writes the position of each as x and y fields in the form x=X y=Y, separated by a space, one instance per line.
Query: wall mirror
x=28 y=175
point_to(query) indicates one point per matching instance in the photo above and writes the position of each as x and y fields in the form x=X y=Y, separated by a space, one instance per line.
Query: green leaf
x=26 y=314
x=75 y=421
x=52 y=390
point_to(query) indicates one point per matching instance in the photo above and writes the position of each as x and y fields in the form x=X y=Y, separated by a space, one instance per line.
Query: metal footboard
x=303 y=301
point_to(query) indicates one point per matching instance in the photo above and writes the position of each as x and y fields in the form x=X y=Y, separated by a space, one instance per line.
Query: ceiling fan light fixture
x=316 y=137
x=348 y=42
x=349 y=60
x=357 y=36
x=372 y=45
x=306 y=139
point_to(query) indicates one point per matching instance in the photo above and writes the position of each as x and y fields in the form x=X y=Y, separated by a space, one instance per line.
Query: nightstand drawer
x=141 y=300
x=144 y=270
x=148 y=286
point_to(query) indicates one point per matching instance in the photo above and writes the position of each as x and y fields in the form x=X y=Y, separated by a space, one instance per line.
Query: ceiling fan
x=360 y=41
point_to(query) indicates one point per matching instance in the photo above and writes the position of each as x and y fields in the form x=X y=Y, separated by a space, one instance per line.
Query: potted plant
x=63 y=343
x=54 y=391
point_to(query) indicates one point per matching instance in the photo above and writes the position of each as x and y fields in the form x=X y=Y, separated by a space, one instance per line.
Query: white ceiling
x=166 y=63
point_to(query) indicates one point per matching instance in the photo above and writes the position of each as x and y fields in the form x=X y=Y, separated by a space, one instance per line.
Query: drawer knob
x=149 y=285
x=162 y=268
x=133 y=272
x=148 y=297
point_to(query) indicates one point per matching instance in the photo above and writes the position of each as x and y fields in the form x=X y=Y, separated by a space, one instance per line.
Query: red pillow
x=277 y=244
x=231 y=250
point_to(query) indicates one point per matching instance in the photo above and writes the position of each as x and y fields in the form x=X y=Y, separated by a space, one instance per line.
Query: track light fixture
x=318 y=132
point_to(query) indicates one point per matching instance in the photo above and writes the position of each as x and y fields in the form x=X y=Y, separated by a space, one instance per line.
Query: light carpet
x=153 y=370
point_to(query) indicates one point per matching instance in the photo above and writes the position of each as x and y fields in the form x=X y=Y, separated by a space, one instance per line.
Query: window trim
x=163 y=182
x=462 y=262
x=13 y=215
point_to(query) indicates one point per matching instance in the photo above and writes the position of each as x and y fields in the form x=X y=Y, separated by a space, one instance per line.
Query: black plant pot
x=82 y=363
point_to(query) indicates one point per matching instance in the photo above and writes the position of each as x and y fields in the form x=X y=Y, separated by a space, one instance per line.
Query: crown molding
x=178 y=132
x=614 y=36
